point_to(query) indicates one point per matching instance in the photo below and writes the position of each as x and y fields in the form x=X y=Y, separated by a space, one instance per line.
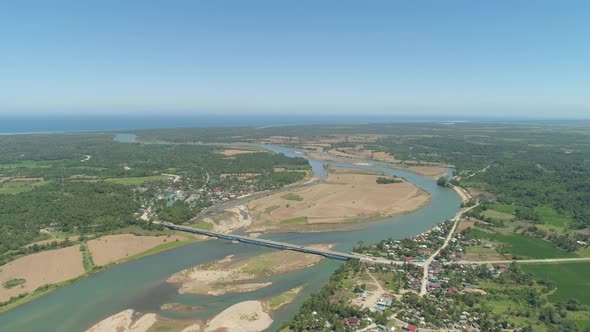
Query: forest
x=84 y=183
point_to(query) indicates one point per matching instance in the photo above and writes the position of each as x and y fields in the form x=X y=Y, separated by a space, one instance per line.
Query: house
x=502 y=267
x=488 y=246
x=351 y=321
x=410 y=327
x=408 y=259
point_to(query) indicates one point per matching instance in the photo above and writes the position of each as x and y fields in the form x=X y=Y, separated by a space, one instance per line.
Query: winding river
x=140 y=284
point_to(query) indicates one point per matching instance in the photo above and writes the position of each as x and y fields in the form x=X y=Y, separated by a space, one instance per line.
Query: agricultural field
x=569 y=278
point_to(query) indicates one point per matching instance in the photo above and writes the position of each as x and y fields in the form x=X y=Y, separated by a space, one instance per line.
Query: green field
x=271 y=208
x=26 y=164
x=505 y=208
x=497 y=215
x=524 y=246
x=135 y=181
x=292 y=197
x=294 y=220
x=19 y=187
x=551 y=217
x=572 y=279
x=203 y=225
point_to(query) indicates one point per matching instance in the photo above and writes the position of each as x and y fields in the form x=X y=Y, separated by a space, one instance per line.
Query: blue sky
x=526 y=58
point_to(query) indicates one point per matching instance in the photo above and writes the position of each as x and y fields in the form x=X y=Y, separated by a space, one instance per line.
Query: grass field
x=572 y=279
x=285 y=297
x=294 y=220
x=26 y=164
x=203 y=225
x=292 y=197
x=551 y=217
x=135 y=181
x=505 y=208
x=19 y=187
x=524 y=246
x=497 y=215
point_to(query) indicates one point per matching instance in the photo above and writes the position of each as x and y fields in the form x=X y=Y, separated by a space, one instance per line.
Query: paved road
x=427 y=263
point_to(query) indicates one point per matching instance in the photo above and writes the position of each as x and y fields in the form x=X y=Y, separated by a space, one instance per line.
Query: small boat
x=235 y=241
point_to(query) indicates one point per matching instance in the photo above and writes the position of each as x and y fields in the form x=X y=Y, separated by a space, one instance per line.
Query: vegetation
x=13 y=283
x=49 y=187
x=388 y=180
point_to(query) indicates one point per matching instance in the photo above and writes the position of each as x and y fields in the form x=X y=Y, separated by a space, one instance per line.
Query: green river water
x=140 y=284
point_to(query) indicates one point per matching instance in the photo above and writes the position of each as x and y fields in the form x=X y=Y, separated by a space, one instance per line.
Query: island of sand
x=348 y=195
x=232 y=276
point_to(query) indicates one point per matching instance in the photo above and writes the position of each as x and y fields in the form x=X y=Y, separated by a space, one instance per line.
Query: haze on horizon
x=500 y=58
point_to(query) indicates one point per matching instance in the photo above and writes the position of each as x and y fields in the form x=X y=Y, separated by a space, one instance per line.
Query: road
x=427 y=263
x=527 y=261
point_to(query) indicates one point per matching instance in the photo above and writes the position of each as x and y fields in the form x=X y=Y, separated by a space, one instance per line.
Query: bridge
x=278 y=245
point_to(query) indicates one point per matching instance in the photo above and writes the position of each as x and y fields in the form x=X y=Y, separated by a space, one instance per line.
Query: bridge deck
x=267 y=243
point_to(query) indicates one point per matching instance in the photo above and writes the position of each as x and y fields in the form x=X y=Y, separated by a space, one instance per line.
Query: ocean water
x=44 y=124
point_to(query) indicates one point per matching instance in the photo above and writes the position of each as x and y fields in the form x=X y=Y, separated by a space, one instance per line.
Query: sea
x=73 y=123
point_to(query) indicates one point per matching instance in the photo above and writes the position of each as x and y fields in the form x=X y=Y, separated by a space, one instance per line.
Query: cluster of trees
x=388 y=180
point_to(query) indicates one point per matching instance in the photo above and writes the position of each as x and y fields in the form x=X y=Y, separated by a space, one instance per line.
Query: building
x=410 y=327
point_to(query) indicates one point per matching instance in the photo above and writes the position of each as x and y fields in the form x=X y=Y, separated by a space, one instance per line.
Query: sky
x=500 y=58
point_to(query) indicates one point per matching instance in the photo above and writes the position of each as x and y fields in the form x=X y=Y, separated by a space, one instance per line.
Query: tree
x=442 y=181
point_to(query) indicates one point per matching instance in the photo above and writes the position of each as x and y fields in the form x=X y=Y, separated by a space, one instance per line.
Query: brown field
x=111 y=248
x=347 y=195
x=233 y=152
x=48 y=267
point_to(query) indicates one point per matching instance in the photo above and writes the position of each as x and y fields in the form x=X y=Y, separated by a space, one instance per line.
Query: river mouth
x=141 y=284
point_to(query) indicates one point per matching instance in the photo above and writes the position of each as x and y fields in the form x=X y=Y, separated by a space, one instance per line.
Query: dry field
x=48 y=267
x=111 y=248
x=233 y=152
x=347 y=195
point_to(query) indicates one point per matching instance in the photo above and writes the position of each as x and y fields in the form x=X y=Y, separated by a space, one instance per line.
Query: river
x=140 y=284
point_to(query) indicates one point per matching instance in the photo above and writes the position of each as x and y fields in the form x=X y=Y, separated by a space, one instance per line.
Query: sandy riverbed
x=111 y=248
x=48 y=267
x=347 y=195
x=230 y=275
x=247 y=316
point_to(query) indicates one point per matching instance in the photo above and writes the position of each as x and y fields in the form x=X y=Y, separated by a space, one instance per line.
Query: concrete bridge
x=278 y=245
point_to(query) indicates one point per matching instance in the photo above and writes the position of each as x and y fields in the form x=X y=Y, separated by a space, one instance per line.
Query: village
x=155 y=197
x=392 y=293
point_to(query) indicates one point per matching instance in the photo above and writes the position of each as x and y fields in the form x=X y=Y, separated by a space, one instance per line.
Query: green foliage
x=442 y=181
x=292 y=197
x=386 y=180
x=13 y=283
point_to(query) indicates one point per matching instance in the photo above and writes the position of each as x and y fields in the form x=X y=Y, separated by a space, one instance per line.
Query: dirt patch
x=233 y=152
x=111 y=248
x=346 y=196
x=465 y=224
x=429 y=171
x=230 y=220
x=478 y=192
x=243 y=316
x=48 y=267
x=474 y=290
